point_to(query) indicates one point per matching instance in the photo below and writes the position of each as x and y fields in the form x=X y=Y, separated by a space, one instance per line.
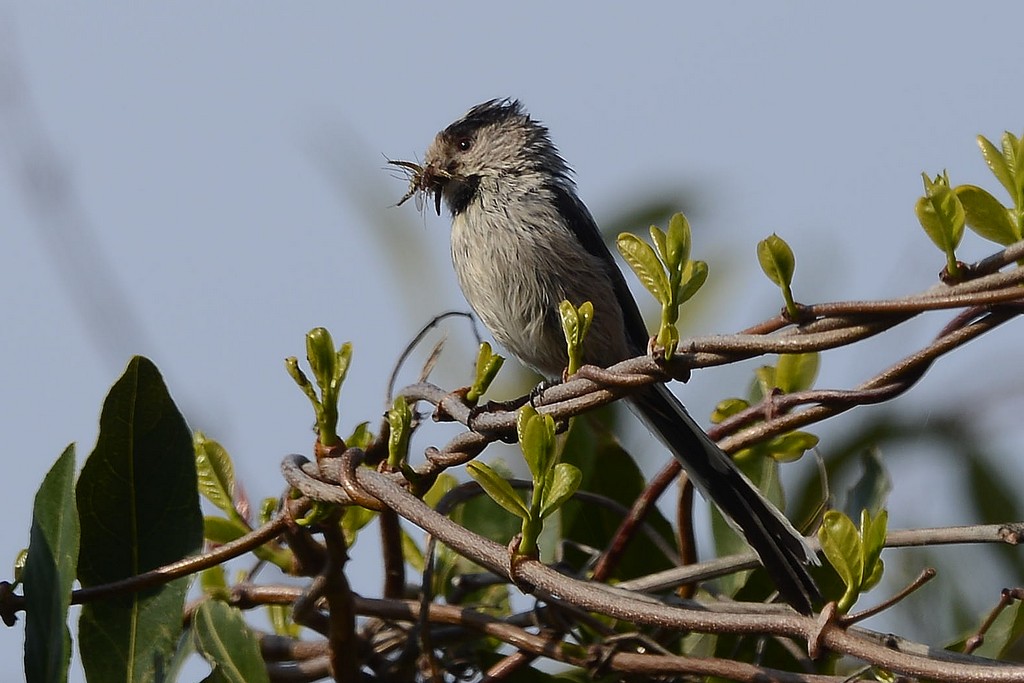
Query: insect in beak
x=423 y=179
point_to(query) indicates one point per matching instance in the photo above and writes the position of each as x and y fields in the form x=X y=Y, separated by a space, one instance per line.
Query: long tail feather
x=781 y=549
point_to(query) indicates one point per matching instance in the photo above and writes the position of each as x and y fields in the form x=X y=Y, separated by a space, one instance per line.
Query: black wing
x=579 y=220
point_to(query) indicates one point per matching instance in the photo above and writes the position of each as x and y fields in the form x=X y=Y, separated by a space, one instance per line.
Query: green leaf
x=280 y=618
x=322 y=357
x=565 y=480
x=481 y=515
x=764 y=383
x=214 y=582
x=796 y=371
x=223 y=530
x=138 y=503
x=412 y=552
x=644 y=262
x=668 y=339
x=19 y=566
x=353 y=519
x=291 y=364
x=488 y=364
x=330 y=366
x=997 y=163
x=608 y=470
x=726 y=408
x=986 y=216
x=226 y=642
x=791 y=446
x=1014 y=161
x=182 y=652
x=941 y=214
x=498 y=489
x=361 y=436
x=842 y=546
x=1004 y=633
x=216 y=473
x=873 y=576
x=442 y=485
x=536 y=439
x=575 y=325
x=660 y=241
x=695 y=274
x=873 y=533
x=678 y=242
x=777 y=260
x=50 y=572
x=400 y=420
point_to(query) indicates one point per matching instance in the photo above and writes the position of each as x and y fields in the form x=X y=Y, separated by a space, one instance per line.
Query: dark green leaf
x=986 y=216
x=49 y=574
x=608 y=470
x=139 y=508
x=871 y=490
x=226 y=642
x=763 y=472
x=182 y=652
x=481 y=515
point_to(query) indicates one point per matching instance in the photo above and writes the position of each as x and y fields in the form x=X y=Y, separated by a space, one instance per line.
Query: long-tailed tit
x=522 y=242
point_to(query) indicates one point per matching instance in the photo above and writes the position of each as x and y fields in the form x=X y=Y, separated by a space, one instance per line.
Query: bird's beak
x=437 y=200
x=433 y=179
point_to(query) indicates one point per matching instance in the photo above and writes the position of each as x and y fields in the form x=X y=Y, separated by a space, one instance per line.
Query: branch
x=547 y=584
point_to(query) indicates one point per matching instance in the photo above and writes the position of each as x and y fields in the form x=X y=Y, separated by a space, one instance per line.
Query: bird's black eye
x=464 y=144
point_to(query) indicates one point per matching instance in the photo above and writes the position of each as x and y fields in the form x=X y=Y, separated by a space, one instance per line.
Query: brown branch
x=13 y=603
x=341 y=615
x=637 y=513
x=639 y=609
x=391 y=554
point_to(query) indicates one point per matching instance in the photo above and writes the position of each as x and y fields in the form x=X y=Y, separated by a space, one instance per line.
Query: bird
x=522 y=241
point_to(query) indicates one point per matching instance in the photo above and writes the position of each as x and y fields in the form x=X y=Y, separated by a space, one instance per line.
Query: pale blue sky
x=224 y=165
